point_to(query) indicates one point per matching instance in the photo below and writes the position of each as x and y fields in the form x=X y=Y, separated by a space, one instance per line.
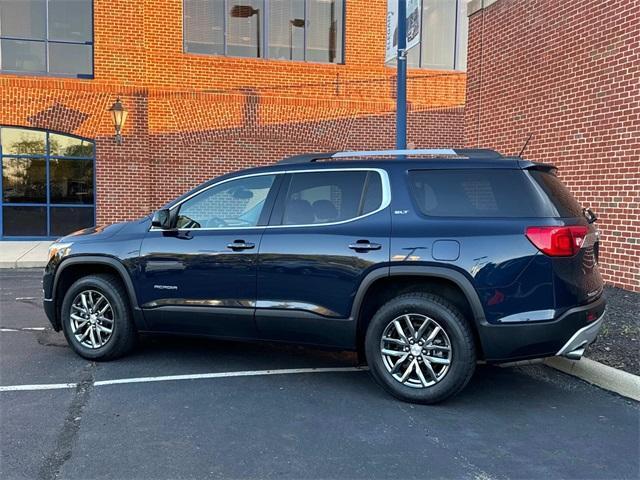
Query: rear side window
x=327 y=197
x=558 y=194
x=476 y=193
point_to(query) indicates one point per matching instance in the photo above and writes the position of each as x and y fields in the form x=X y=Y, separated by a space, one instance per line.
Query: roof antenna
x=524 y=147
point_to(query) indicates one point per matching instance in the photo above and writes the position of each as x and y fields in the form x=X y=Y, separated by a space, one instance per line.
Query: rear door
x=329 y=228
x=201 y=278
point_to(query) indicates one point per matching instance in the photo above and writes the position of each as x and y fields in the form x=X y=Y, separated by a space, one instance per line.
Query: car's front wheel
x=96 y=318
x=420 y=348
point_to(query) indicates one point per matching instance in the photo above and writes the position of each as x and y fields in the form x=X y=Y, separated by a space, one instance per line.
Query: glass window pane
x=22 y=56
x=70 y=20
x=324 y=30
x=559 y=195
x=65 y=146
x=323 y=197
x=237 y=203
x=438 y=33
x=65 y=220
x=286 y=29
x=373 y=193
x=24 y=180
x=23 y=19
x=243 y=28
x=20 y=141
x=413 y=57
x=24 y=221
x=71 y=181
x=204 y=26
x=481 y=193
x=463 y=32
x=70 y=58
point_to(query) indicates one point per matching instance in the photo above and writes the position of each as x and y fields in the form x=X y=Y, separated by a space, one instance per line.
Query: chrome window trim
x=384 y=180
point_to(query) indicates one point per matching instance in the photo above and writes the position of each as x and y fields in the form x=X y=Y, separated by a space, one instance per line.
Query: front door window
x=233 y=204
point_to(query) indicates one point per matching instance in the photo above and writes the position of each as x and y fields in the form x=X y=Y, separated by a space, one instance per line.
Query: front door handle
x=240 y=245
x=364 y=246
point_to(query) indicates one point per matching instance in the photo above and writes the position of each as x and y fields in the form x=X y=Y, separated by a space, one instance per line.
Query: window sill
x=45 y=74
x=262 y=59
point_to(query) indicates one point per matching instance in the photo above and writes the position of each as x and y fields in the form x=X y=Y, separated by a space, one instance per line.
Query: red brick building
x=569 y=74
x=199 y=102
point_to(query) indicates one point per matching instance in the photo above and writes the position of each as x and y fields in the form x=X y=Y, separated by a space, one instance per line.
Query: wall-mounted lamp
x=119 y=117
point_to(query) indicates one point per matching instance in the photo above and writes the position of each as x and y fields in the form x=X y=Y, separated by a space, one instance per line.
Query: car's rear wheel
x=96 y=318
x=420 y=348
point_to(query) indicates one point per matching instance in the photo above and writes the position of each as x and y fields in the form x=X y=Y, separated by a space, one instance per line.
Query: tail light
x=557 y=241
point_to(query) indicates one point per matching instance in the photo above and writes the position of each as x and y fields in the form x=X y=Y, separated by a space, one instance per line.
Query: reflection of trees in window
x=28 y=147
x=17 y=141
x=24 y=180
x=65 y=146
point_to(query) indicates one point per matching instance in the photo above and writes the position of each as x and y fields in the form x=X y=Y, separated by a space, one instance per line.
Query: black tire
x=462 y=353
x=123 y=336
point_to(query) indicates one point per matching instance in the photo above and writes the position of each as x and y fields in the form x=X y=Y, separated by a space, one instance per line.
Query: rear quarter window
x=476 y=193
x=559 y=195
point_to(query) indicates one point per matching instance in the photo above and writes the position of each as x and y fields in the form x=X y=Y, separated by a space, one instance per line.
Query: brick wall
x=568 y=73
x=192 y=117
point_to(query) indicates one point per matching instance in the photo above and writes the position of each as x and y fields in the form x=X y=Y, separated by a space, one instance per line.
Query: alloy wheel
x=92 y=319
x=416 y=350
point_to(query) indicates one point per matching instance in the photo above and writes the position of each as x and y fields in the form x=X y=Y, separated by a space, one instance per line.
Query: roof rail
x=307 y=157
x=484 y=153
x=383 y=153
x=478 y=153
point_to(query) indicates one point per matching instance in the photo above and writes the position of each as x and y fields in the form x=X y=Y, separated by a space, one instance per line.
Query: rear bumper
x=566 y=335
x=575 y=346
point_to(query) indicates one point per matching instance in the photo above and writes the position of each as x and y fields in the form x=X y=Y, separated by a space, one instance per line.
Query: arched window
x=48 y=183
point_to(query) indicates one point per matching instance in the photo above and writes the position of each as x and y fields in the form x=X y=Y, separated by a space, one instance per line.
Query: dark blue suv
x=423 y=261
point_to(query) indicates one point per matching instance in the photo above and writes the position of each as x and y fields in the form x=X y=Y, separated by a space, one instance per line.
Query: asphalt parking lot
x=525 y=422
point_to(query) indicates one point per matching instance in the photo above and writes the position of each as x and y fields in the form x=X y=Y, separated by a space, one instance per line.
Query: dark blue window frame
x=47 y=157
x=46 y=43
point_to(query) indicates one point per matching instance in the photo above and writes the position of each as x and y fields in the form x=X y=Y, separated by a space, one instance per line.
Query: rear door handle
x=241 y=245
x=364 y=246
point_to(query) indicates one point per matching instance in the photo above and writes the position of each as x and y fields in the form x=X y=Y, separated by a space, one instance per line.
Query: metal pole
x=257 y=10
x=401 y=94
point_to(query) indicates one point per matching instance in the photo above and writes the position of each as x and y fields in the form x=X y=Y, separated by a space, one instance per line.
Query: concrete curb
x=609 y=378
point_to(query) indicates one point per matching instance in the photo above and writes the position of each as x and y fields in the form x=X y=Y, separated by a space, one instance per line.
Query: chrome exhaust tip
x=574 y=354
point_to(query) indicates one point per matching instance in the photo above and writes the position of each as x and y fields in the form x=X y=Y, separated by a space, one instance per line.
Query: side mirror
x=163 y=219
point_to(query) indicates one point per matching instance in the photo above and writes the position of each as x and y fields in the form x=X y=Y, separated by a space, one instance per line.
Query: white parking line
x=25 y=329
x=28 y=388
x=194 y=376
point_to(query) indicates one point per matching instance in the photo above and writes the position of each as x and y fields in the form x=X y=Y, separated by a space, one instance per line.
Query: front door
x=329 y=229
x=201 y=278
